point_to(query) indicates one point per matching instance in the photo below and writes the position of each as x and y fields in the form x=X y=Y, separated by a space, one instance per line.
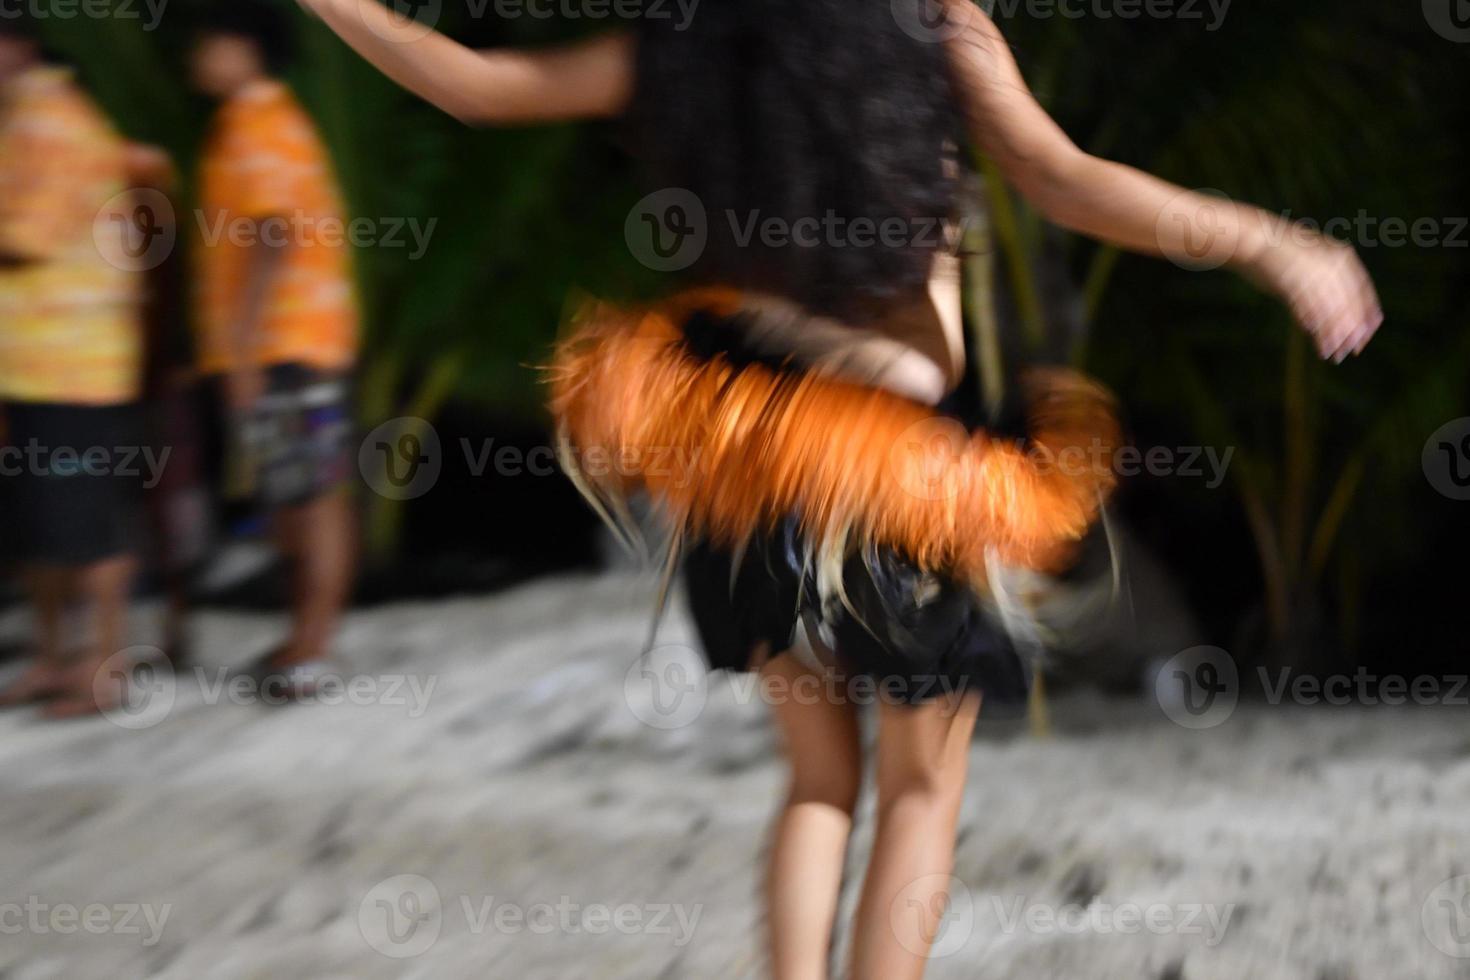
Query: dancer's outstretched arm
x=590 y=79
x=1321 y=280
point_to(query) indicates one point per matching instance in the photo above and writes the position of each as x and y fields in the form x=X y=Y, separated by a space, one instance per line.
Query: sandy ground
x=503 y=792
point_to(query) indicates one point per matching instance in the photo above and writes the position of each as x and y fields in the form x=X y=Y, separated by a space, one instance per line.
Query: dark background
x=1326 y=544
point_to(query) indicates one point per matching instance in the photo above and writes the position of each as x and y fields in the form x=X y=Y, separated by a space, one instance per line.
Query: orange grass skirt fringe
x=728 y=451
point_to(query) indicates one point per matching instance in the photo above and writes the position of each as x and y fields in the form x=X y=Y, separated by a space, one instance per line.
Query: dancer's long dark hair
x=794 y=109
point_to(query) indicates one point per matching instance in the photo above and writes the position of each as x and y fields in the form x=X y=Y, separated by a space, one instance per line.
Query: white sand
x=527 y=777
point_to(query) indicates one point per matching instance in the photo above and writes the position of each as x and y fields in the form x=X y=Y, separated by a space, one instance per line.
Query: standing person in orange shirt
x=278 y=314
x=70 y=371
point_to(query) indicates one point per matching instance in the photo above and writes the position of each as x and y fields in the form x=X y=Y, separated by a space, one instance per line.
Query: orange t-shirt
x=266 y=177
x=70 y=328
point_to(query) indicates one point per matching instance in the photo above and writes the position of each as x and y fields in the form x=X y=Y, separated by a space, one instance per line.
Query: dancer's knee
x=828 y=770
x=918 y=784
x=833 y=782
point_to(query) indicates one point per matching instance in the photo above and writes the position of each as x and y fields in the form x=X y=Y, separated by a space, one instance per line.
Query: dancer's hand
x=1323 y=283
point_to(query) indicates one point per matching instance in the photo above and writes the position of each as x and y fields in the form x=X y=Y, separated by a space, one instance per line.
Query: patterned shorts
x=299 y=436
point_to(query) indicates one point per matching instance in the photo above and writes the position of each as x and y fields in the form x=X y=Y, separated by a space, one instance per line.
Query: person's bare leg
x=319 y=539
x=49 y=590
x=104 y=587
x=48 y=586
x=176 y=647
x=923 y=753
x=823 y=744
x=107 y=586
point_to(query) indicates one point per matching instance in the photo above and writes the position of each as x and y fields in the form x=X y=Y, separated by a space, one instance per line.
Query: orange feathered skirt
x=824 y=477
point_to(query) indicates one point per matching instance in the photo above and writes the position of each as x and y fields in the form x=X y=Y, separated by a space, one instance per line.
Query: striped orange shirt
x=266 y=177
x=70 y=330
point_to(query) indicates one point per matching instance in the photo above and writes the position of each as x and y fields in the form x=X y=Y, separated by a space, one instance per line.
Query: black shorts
x=72 y=476
x=915 y=634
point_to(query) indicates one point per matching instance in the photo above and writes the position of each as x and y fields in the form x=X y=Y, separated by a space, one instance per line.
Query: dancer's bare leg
x=823 y=744
x=923 y=753
x=319 y=540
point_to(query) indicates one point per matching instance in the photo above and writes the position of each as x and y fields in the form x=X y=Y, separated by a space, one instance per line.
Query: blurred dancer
x=70 y=352
x=802 y=375
x=278 y=314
